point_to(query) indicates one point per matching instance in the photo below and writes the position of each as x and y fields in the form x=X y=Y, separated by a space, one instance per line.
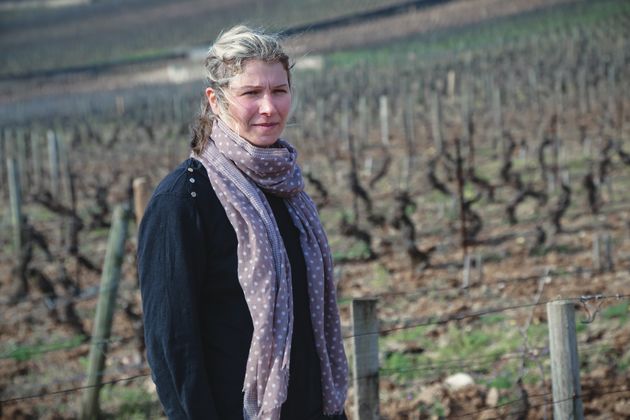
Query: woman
x=235 y=271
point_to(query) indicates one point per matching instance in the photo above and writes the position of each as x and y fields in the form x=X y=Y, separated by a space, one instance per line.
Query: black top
x=198 y=328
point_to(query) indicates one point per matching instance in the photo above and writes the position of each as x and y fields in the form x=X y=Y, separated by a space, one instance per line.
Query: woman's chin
x=263 y=140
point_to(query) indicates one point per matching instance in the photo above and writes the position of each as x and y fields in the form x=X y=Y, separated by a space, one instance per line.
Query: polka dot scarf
x=239 y=173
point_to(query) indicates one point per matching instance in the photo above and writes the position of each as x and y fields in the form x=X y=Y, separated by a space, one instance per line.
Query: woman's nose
x=266 y=105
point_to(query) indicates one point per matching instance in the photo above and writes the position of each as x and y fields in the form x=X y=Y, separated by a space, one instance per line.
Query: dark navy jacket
x=197 y=325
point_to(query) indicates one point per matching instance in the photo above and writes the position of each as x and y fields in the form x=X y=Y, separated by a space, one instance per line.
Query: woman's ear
x=213 y=100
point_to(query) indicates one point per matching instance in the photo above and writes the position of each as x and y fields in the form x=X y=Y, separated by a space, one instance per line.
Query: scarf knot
x=273 y=169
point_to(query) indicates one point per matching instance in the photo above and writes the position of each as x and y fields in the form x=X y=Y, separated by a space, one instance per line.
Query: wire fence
x=469 y=363
x=444 y=319
x=584 y=396
x=93 y=292
x=71 y=343
x=478 y=365
x=475 y=364
x=547 y=273
x=75 y=389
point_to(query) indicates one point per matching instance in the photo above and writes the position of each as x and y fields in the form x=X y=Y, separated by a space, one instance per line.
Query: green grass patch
x=581 y=327
x=126 y=402
x=474 y=348
x=504 y=380
x=380 y=277
x=467 y=343
x=26 y=352
x=38 y=213
x=329 y=217
x=495 y=257
x=537 y=335
x=489 y=35
x=412 y=334
x=489 y=170
x=566 y=249
x=620 y=312
x=402 y=364
x=494 y=319
x=438 y=410
x=358 y=250
x=578 y=165
x=563 y=249
x=436 y=196
x=97 y=234
x=624 y=361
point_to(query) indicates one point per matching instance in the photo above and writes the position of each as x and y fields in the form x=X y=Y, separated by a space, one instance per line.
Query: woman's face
x=259 y=101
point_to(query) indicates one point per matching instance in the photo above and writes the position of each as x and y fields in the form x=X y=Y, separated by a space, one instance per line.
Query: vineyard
x=465 y=179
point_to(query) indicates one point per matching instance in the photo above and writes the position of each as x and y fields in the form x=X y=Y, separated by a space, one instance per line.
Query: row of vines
x=461 y=189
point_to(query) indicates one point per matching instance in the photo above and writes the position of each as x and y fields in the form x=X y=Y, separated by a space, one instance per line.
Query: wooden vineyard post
x=591 y=96
x=345 y=128
x=60 y=181
x=364 y=120
x=364 y=133
x=53 y=162
x=479 y=264
x=436 y=122
x=320 y=107
x=466 y=116
x=450 y=83
x=610 y=265
x=383 y=108
x=15 y=195
x=20 y=149
x=565 y=365
x=120 y=105
x=602 y=244
x=410 y=140
x=497 y=118
x=466 y=272
x=595 y=253
x=612 y=90
x=368 y=165
x=533 y=85
x=559 y=96
x=105 y=311
x=3 y=159
x=365 y=346
x=582 y=92
x=557 y=132
x=140 y=198
x=65 y=174
x=36 y=156
x=609 y=189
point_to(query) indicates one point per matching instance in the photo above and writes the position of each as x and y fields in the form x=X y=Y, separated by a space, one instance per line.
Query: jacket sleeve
x=171 y=257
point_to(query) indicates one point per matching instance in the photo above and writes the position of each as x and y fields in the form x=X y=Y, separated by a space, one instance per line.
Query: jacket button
x=194 y=194
x=192 y=180
x=190 y=169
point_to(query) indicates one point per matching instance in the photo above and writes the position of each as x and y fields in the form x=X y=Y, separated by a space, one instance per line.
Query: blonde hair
x=226 y=59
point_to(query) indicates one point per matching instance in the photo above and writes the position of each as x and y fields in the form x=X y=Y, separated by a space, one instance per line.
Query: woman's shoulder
x=185 y=198
x=184 y=190
x=188 y=179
